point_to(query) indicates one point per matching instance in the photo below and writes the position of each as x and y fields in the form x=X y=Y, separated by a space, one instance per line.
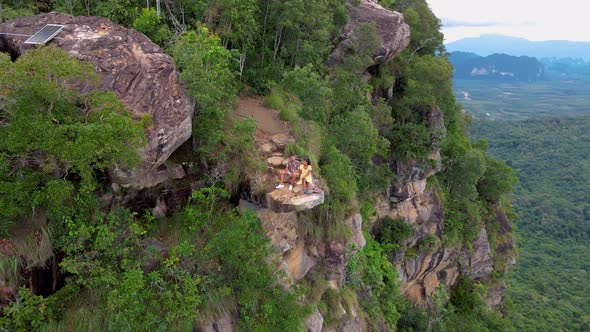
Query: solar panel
x=45 y=34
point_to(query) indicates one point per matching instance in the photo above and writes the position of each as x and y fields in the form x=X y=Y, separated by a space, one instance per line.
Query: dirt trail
x=268 y=122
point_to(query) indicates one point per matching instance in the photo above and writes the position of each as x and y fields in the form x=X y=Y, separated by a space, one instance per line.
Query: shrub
x=152 y=26
x=337 y=170
x=28 y=312
x=409 y=141
x=392 y=234
x=205 y=67
x=314 y=92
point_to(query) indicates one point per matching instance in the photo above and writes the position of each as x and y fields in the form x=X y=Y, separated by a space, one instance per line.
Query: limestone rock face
x=314 y=322
x=355 y=223
x=281 y=228
x=350 y=322
x=224 y=323
x=298 y=262
x=137 y=70
x=478 y=263
x=495 y=294
x=424 y=265
x=392 y=31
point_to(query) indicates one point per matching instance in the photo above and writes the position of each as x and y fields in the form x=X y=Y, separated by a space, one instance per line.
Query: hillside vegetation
x=120 y=267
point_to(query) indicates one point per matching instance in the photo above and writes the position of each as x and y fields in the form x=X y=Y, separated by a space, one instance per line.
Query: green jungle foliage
x=58 y=144
x=549 y=285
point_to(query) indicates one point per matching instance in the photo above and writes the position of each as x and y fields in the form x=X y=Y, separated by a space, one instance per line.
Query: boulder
x=334 y=263
x=478 y=263
x=281 y=228
x=314 y=322
x=436 y=124
x=354 y=323
x=281 y=140
x=283 y=200
x=142 y=178
x=494 y=297
x=420 y=275
x=392 y=32
x=159 y=211
x=223 y=323
x=266 y=148
x=298 y=262
x=244 y=205
x=275 y=161
x=142 y=75
x=355 y=223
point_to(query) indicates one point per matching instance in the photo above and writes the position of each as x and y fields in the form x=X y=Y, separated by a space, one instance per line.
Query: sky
x=532 y=19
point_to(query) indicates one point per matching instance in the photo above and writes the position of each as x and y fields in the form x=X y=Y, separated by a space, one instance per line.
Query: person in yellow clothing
x=305 y=176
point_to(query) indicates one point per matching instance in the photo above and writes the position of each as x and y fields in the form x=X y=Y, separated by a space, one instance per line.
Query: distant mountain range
x=496 y=66
x=491 y=44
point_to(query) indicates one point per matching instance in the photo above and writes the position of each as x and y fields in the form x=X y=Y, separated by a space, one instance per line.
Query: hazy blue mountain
x=566 y=68
x=490 y=44
x=496 y=66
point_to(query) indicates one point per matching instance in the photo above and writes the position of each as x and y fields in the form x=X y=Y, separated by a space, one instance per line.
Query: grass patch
x=287 y=104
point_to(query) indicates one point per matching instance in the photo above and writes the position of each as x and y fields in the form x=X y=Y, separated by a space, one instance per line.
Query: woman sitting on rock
x=305 y=176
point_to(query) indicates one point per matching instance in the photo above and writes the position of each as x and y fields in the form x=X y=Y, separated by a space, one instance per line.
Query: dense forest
x=548 y=287
x=58 y=143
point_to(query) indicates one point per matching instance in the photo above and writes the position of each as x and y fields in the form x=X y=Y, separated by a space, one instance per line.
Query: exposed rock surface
x=281 y=228
x=422 y=269
x=392 y=32
x=137 y=70
x=350 y=322
x=225 y=323
x=298 y=261
x=477 y=263
x=355 y=223
x=314 y=322
x=283 y=200
x=495 y=294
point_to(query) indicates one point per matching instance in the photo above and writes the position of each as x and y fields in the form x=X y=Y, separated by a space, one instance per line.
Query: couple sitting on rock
x=297 y=171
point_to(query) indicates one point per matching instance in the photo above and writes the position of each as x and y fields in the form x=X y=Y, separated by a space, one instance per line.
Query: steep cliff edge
x=426 y=261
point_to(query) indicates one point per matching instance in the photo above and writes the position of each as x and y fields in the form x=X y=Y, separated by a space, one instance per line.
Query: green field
x=521 y=100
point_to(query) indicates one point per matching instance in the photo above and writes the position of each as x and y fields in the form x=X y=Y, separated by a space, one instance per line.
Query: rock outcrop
x=142 y=75
x=423 y=268
x=477 y=263
x=283 y=200
x=412 y=175
x=392 y=32
x=314 y=322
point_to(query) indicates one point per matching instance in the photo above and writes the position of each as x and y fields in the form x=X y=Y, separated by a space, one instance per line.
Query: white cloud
x=531 y=19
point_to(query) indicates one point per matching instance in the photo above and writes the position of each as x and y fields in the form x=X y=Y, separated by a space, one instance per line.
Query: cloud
x=452 y=23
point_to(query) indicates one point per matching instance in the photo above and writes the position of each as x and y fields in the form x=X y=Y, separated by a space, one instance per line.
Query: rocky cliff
x=136 y=69
x=427 y=261
x=392 y=32
x=421 y=268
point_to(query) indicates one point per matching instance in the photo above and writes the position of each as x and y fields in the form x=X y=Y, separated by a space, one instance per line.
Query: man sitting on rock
x=292 y=171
